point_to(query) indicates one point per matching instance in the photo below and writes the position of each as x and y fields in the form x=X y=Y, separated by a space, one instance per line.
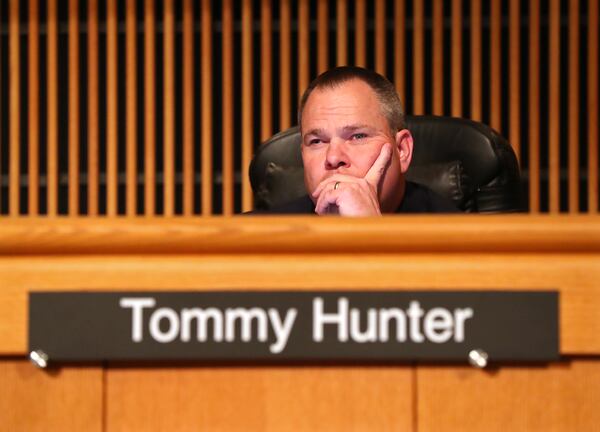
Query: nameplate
x=295 y=326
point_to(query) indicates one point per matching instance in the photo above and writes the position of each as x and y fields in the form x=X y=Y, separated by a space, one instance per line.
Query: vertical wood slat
x=400 y=47
x=227 y=175
x=476 y=60
x=266 y=80
x=514 y=74
x=14 y=103
x=573 y=115
x=322 y=36
x=512 y=111
x=380 y=27
x=247 y=86
x=592 y=105
x=73 y=107
x=438 y=58
x=534 y=106
x=419 y=57
x=131 y=108
x=111 y=108
x=207 y=167
x=303 y=45
x=149 y=108
x=34 y=106
x=342 y=33
x=93 y=110
x=285 y=46
x=188 y=108
x=495 y=66
x=360 y=36
x=2 y=125
x=554 y=120
x=169 y=108
x=52 y=108
x=456 y=59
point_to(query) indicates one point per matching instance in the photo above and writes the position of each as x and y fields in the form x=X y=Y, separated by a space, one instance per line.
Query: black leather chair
x=458 y=158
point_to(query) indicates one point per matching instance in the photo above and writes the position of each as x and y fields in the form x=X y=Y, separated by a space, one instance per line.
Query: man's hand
x=353 y=196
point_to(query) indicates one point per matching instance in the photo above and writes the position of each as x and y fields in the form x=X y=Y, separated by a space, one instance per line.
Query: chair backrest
x=460 y=159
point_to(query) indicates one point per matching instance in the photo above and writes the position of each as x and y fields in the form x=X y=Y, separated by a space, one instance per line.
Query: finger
x=330 y=182
x=378 y=168
x=326 y=199
x=325 y=185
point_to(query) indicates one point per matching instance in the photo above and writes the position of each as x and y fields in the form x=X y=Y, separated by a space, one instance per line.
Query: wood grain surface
x=557 y=397
x=259 y=398
x=66 y=399
x=297 y=234
x=575 y=276
x=420 y=253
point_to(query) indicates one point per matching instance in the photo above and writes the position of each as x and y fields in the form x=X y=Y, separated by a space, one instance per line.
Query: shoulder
x=420 y=199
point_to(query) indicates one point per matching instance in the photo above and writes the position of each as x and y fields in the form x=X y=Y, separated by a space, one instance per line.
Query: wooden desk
x=418 y=252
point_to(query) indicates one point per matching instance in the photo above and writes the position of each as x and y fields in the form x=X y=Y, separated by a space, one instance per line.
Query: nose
x=336 y=156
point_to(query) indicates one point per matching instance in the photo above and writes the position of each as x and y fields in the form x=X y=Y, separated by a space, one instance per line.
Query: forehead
x=352 y=101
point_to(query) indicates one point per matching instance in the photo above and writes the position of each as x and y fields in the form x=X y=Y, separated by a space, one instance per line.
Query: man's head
x=347 y=116
x=390 y=105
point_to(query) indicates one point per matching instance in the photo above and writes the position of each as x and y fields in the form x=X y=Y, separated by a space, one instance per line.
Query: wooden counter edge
x=296 y=234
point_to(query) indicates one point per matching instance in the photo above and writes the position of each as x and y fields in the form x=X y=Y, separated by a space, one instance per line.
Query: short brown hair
x=389 y=100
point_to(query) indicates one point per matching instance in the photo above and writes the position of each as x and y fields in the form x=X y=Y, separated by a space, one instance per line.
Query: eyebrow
x=346 y=129
x=317 y=131
x=352 y=128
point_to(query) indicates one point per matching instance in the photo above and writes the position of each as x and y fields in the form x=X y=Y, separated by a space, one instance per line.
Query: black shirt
x=417 y=199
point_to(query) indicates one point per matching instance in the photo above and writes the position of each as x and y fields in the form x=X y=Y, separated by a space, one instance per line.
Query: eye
x=358 y=136
x=314 y=141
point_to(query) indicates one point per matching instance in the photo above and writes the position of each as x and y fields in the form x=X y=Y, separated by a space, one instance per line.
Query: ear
x=404 y=145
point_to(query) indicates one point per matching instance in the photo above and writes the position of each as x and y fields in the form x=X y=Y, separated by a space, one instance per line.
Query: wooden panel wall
x=100 y=254
x=555 y=407
x=172 y=128
x=260 y=398
x=68 y=399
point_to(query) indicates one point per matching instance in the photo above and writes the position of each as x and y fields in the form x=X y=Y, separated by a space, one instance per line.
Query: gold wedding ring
x=336 y=185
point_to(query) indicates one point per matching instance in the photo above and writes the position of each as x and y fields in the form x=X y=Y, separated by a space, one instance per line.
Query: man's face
x=343 y=132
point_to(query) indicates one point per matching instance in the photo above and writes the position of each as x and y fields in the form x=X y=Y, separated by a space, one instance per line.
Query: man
x=356 y=149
